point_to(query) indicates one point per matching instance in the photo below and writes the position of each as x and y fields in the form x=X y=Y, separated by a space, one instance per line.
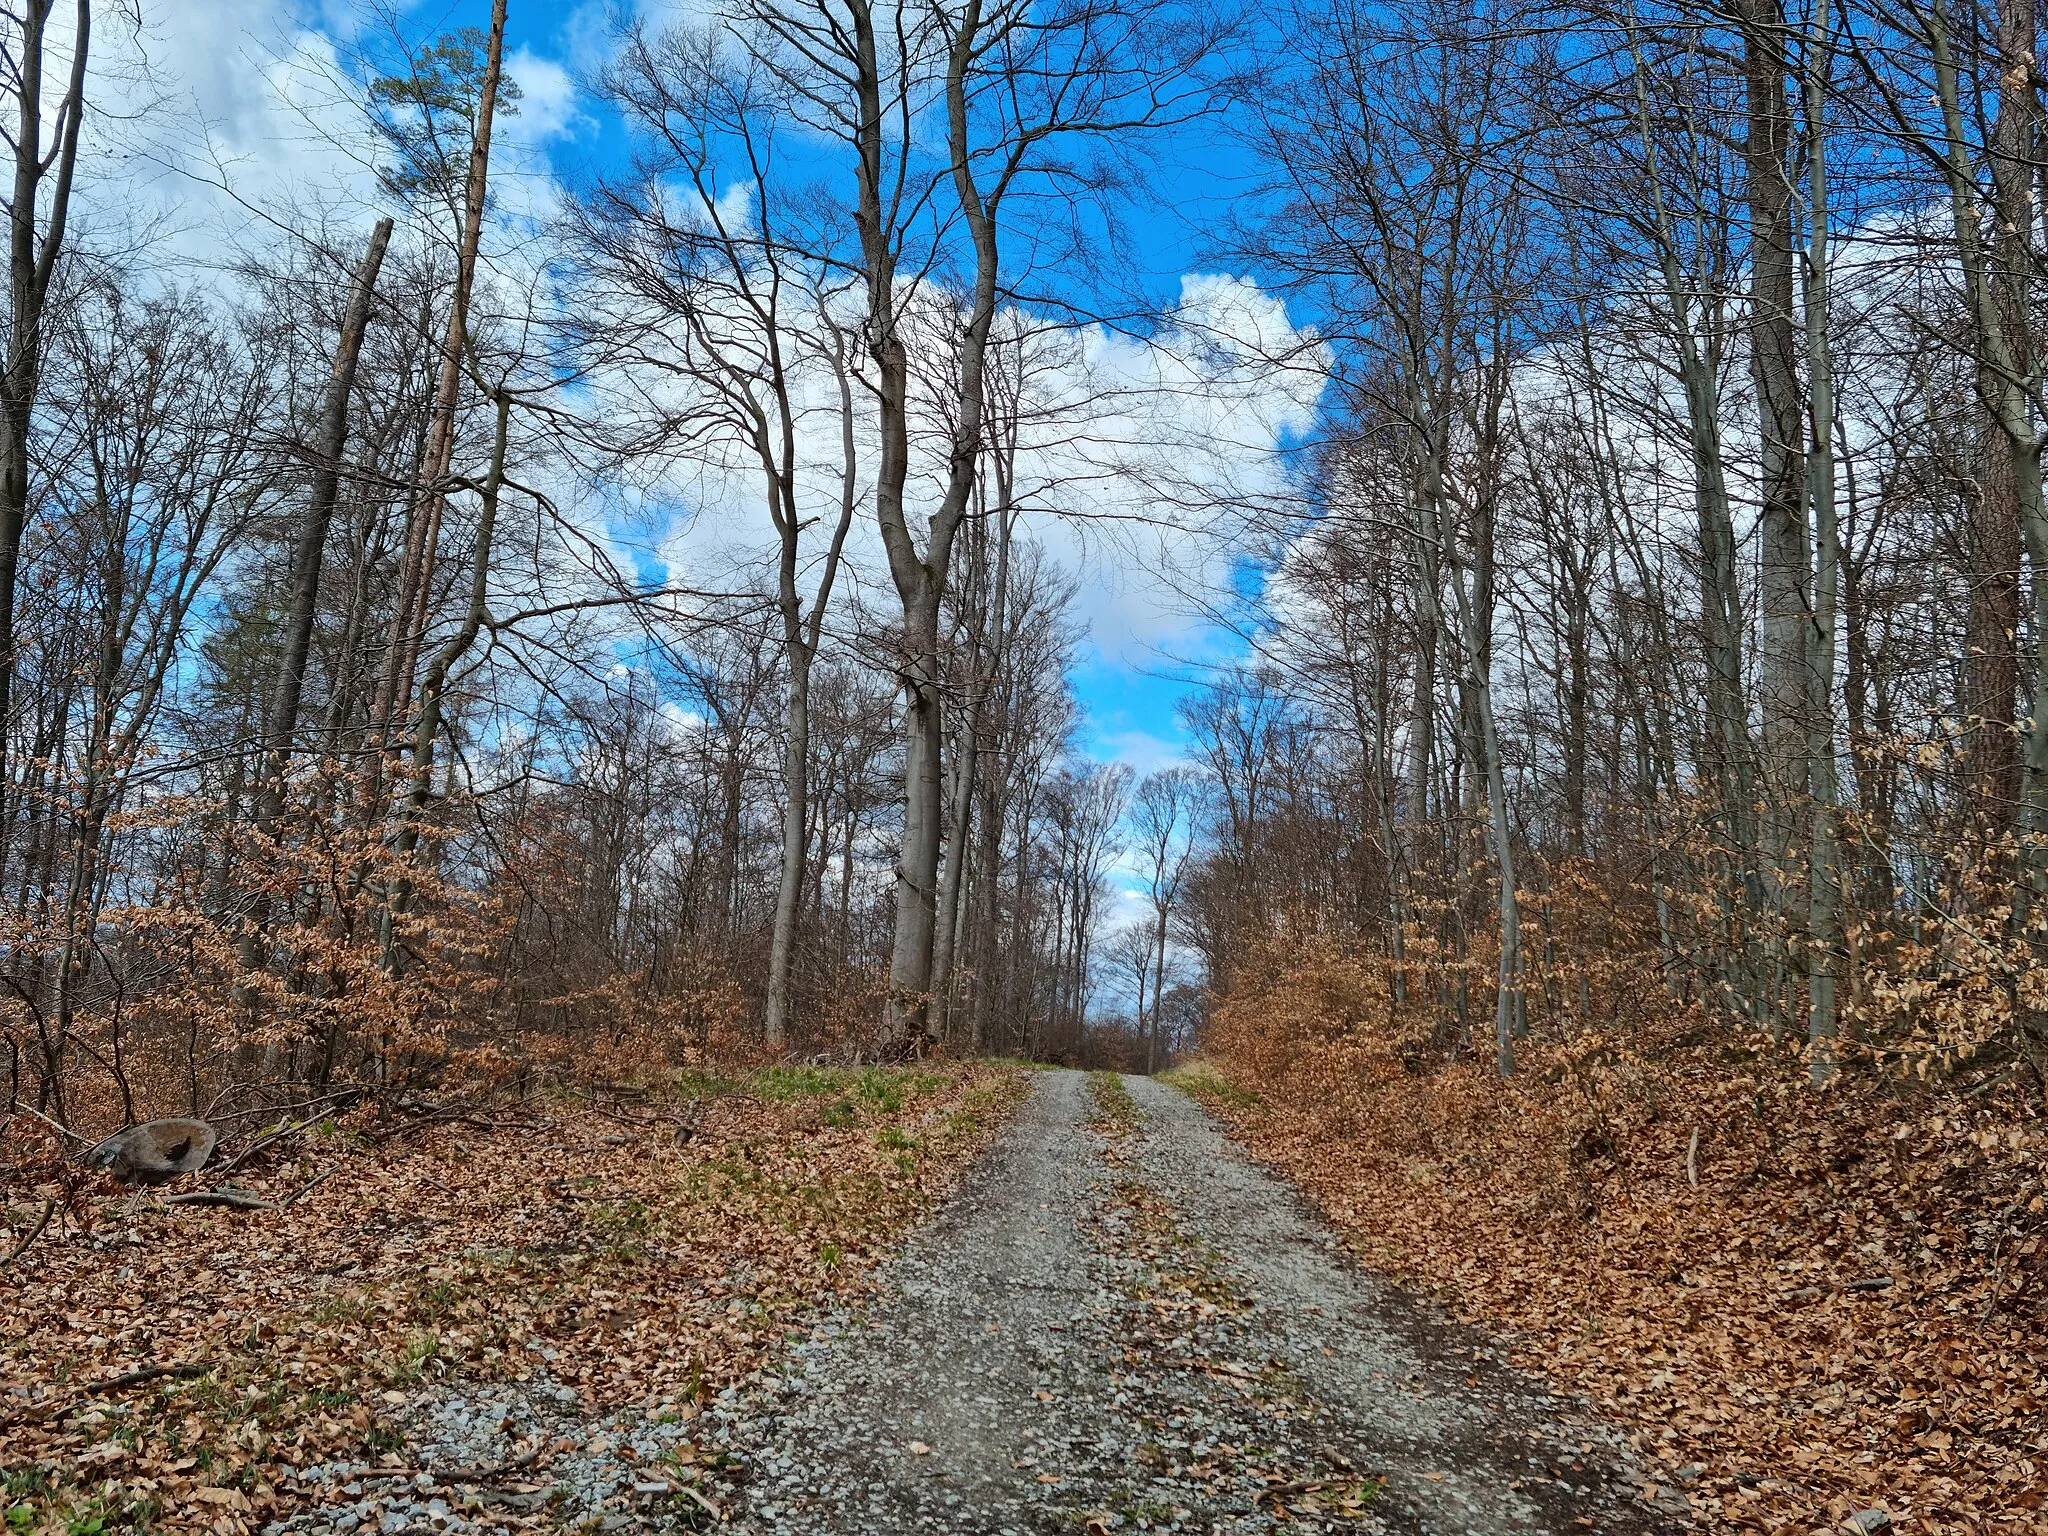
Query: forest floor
x=1117 y=1323
x=1816 y=1314
x=509 y=1279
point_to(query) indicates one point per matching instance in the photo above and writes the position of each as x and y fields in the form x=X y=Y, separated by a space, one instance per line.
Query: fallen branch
x=709 y=1508
x=295 y=1128
x=1808 y=1292
x=1290 y=1490
x=58 y=1126
x=484 y=1474
x=147 y=1374
x=22 y=1247
x=238 y=1199
x=305 y=1189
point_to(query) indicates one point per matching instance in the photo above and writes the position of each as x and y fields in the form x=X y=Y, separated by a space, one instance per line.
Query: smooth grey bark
x=1163 y=815
x=801 y=636
x=1472 y=606
x=1725 y=744
x=875 y=217
x=920 y=576
x=985 y=641
x=1823 y=917
x=1422 y=718
x=311 y=545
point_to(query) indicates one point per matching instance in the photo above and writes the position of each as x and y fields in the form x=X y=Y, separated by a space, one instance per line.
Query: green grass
x=1116 y=1113
x=885 y=1088
x=1202 y=1079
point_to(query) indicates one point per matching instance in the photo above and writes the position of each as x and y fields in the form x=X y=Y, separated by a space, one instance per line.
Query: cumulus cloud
x=1137 y=456
x=1138 y=452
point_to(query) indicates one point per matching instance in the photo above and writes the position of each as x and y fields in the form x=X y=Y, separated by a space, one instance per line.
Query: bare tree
x=1165 y=819
x=38 y=214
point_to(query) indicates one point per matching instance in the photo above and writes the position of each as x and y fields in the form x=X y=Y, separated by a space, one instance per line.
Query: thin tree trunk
x=983 y=649
x=423 y=523
x=433 y=686
x=1823 y=919
x=312 y=541
x=30 y=267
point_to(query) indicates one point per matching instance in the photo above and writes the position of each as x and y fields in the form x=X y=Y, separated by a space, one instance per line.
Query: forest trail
x=1120 y=1322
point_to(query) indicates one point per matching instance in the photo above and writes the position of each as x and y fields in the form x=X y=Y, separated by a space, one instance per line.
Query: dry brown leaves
x=1807 y=1304
x=572 y=1243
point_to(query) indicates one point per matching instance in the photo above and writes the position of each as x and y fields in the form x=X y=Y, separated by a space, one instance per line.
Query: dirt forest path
x=1121 y=1323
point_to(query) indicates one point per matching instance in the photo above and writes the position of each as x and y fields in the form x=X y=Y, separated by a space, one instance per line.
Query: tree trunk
x=1784 y=563
x=795 y=825
x=312 y=540
x=917 y=859
x=960 y=809
x=1823 y=953
x=423 y=522
x=29 y=268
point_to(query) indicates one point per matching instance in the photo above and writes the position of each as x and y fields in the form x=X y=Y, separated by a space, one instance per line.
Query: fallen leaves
x=1808 y=1307
x=175 y=1365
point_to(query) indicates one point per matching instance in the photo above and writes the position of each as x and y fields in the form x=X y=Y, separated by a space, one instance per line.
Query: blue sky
x=217 y=50
x=1201 y=168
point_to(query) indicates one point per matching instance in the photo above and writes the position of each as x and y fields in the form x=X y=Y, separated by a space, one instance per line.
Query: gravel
x=1103 y=1330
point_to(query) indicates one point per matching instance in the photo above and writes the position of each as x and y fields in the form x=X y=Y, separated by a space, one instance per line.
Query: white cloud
x=214 y=109
x=1141 y=449
x=550 y=107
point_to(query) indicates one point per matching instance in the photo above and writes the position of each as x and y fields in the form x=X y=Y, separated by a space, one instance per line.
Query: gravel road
x=1121 y=1323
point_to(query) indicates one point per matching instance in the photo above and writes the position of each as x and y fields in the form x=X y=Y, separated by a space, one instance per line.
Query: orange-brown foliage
x=1805 y=1302
x=550 y=1237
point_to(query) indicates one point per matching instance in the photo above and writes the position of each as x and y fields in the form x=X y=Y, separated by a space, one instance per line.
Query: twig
x=306 y=1189
x=269 y=1138
x=1692 y=1159
x=1808 y=1292
x=485 y=1474
x=59 y=1127
x=22 y=1247
x=710 y=1508
x=1288 y=1490
x=147 y=1373
x=239 y=1199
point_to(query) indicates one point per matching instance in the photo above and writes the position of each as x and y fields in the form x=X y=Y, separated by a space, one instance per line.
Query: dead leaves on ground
x=1807 y=1306
x=171 y=1366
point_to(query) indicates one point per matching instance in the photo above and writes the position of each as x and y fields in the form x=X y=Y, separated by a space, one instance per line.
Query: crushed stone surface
x=1115 y=1324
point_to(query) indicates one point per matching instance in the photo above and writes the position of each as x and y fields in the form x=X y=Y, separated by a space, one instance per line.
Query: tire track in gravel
x=1132 y=1327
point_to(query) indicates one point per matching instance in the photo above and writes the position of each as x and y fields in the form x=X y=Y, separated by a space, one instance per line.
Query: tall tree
x=44 y=147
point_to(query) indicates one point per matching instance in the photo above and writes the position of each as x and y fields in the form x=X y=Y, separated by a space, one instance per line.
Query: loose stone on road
x=1121 y=1323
